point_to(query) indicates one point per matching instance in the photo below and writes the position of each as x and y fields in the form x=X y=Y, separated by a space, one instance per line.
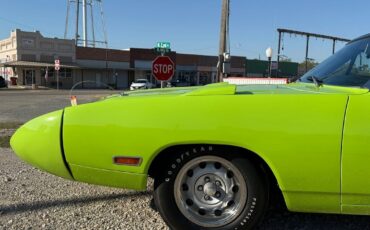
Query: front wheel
x=210 y=190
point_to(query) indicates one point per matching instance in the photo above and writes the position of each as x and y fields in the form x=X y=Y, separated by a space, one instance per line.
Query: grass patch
x=5 y=142
x=5 y=137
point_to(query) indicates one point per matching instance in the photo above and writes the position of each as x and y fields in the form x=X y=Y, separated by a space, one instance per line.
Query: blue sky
x=192 y=26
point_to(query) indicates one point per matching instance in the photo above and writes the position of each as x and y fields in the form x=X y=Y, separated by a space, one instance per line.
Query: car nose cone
x=38 y=142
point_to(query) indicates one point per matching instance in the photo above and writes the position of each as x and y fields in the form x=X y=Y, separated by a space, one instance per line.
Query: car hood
x=231 y=89
x=298 y=88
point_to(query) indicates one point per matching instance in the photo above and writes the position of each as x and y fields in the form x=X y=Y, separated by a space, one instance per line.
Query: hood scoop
x=222 y=88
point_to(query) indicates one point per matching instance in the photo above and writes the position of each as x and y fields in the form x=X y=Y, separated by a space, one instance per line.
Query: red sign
x=57 y=64
x=163 y=68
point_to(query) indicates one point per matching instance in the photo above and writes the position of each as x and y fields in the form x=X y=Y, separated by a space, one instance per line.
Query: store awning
x=37 y=64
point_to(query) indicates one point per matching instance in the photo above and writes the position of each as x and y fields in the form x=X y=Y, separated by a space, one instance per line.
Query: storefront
x=29 y=57
x=41 y=74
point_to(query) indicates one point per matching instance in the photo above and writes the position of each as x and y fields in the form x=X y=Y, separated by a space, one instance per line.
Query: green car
x=221 y=152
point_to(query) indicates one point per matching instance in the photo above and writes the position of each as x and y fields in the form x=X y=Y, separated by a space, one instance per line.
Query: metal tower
x=89 y=10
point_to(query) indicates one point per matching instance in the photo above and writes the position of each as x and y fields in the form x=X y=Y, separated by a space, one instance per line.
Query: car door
x=356 y=145
x=356 y=152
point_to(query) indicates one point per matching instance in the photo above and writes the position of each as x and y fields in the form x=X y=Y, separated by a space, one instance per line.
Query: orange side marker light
x=130 y=161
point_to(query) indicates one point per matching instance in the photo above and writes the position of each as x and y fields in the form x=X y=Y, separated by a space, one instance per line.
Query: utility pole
x=77 y=19
x=278 y=55
x=307 y=44
x=223 y=54
x=84 y=22
x=92 y=22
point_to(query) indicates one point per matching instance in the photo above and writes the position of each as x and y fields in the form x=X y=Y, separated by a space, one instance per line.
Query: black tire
x=256 y=185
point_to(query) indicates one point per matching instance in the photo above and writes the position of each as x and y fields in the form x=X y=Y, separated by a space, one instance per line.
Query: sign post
x=163 y=69
x=57 y=68
x=163 y=66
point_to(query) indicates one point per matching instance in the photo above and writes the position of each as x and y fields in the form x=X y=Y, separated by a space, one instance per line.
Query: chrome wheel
x=210 y=191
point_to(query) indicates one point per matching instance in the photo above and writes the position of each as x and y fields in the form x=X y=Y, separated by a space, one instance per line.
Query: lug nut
x=218 y=194
x=218 y=183
x=207 y=179
x=206 y=197
x=200 y=188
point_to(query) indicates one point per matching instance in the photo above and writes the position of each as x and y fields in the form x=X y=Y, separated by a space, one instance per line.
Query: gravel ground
x=32 y=199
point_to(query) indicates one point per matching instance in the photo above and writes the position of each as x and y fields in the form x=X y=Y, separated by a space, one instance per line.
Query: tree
x=286 y=60
x=311 y=63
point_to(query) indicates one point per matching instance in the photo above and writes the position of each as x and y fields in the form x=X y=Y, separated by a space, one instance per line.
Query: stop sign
x=163 y=68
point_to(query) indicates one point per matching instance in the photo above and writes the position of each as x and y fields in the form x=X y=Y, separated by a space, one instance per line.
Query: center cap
x=210 y=189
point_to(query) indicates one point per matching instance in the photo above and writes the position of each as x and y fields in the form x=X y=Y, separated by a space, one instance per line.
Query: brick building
x=29 y=57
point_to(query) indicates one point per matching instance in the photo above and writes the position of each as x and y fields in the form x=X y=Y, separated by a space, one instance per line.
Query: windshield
x=141 y=81
x=348 y=67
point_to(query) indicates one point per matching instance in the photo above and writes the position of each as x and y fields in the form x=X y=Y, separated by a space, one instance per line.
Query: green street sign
x=161 y=51
x=163 y=45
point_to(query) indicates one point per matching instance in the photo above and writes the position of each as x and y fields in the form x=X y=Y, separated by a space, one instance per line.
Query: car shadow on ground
x=283 y=220
x=36 y=206
x=278 y=219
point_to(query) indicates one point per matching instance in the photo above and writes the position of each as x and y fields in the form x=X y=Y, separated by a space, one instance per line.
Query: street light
x=269 y=56
x=226 y=64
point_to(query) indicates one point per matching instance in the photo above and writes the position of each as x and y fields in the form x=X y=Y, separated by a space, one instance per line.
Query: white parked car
x=141 y=84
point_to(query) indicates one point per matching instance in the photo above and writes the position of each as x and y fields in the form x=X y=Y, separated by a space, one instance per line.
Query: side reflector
x=131 y=161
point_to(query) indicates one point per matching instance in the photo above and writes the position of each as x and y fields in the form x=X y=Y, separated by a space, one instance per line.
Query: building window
x=28 y=57
x=28 y=42
x=63 y=72
x=49 y=70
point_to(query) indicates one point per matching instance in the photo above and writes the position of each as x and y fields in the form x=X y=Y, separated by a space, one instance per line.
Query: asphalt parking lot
x=31 y=199
x=23 y=105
